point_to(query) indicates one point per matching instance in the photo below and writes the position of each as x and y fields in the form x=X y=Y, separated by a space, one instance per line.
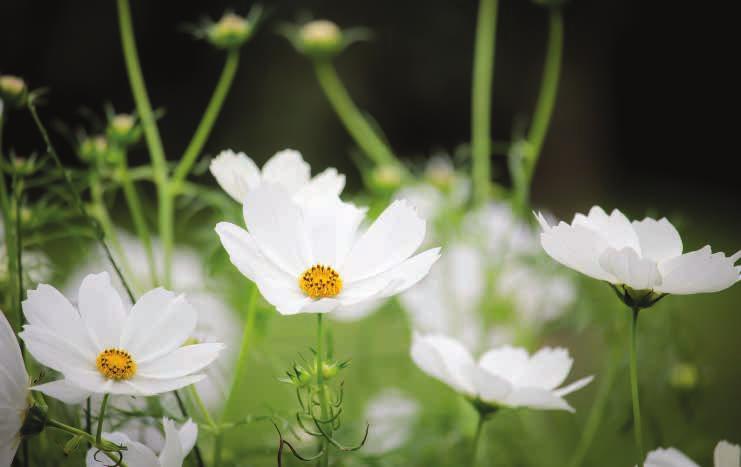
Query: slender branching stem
x=637 y=427
x=209 y=117
x=351 y=117
x=101 y=418
x=323 y=402
x=477 y=438
x=481 y=90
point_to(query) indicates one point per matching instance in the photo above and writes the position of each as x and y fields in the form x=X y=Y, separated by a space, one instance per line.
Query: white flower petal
x=181 y=362
x=491 y=388
x=630 y=269
x=546 y=369
x=575 y=386
x=615 y=229
x=188 y=434
x=13 y=376
x=287 y=301
x=699 y=271
x=136 y=454
x=331 y=226
x=151 y=387
x=506 y=362
x=236 y=173
x=392 y=238
x=576 y=247
x=668 y=458
x=658 y=238
x=536 y=398
x=445 y=359
x=276 y=224
x=288 y=169
x=54 y=351
x=158 y=325
x=329 y=182
x=727 y=455
x=323 y=305
x=172 y=454
x=10 y=424
x=102 y=310
x=64 y=391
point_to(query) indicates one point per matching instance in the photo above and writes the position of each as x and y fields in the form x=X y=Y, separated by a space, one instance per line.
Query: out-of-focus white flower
x=427 y=199
x=643 y=255
x=503 y=377
x=14 y=395
x=391 y=416
x=237 y=174
x=725 y=455
x=502 y=235
x=447 y=300
x=178 y=443
x=103 y=348
x=216 y=320
x=311 y=258
x=537 y=296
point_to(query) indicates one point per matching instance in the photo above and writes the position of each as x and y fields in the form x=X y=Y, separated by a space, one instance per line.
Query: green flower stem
x=324 y=403
x=83 y=434
x=476 y=438
x=209 y=117
x=166 y=220
x=544 y=105
x=353 y=120
x=481 y=90
x=137 y=216
x=17 y=215
x=637 y=430
x=596 y=413
x=101 y=418
x=202 y=407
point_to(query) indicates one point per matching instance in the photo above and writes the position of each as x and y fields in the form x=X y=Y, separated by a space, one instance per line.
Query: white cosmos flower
x=725 y=455
x=537 y=295
x=391 y=416
x=643 y=255
x=311 y=257
x=178 y=443
x=500 y=232
x=103 y=348
x=14 y=396
x=503 y=377
x=237 y=174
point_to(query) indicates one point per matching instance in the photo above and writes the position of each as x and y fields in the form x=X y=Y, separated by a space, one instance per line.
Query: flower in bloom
x=725 y=455
x=391 y=416
x=503 y=377
x=101 y=347
x=538 y=296
x=237 y=174
x=14 y=397
x=313 y=258
x=641 y=255
x=178 y=443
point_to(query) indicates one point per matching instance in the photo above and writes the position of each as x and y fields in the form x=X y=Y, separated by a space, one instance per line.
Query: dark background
x=645 y=108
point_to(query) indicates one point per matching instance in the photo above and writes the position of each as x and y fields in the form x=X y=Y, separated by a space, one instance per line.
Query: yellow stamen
x=320 y=281
x=116 y=364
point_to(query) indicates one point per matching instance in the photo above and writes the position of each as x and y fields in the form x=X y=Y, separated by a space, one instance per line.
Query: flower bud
x=440 y=173
x=386 y=178
x=123 y=129
x=684 y=376
x=13 y=91
x=93 y=148
x=320 y=39
x=231 y=31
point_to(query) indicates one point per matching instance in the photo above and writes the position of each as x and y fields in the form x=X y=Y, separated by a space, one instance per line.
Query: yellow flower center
x=116 y=364
x=320 y=281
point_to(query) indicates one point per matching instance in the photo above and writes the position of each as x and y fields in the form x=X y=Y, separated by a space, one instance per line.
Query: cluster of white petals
x=150 y=335
x=725 y=455
x=502 y=377
x=237 y=175
x=285 y=238
x=178 y=443
x=643 y=255
x=14 y=396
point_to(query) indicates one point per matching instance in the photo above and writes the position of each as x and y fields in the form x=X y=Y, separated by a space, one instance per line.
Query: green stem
x=476 y=438
x=83 y=434
x=544 y=105
x=596 y=413
x=18 y=234
x=137 y=215
x=101 y=417
x=637 y=430
x=218 y=442
x=324 y=460
x=209 y=117
x=353 y=120
x=481 y=90
x=165 y=220
x=202 y=407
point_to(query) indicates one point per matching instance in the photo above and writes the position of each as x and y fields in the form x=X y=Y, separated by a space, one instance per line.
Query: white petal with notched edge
x=506 y=376
x=643 y=255
x=152 y=333
x=13 y=392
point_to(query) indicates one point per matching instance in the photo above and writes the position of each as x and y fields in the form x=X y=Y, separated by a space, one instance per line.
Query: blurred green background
x=639 y=125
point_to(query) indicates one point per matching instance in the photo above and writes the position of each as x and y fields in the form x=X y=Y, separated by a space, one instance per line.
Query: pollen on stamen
x=320 y=281
x=116 y=364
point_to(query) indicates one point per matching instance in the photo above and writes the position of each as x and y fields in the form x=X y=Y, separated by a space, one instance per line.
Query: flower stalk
x=477 y=438
x=483 y=76
x=637 y=427
x=323 y=402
